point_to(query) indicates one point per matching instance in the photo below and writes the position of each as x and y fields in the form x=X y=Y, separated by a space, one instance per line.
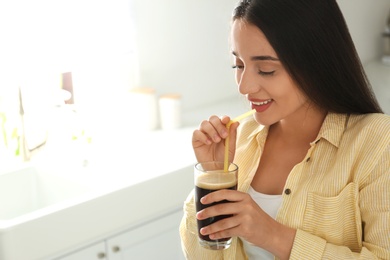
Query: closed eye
x=266 y=73
x=263 y=73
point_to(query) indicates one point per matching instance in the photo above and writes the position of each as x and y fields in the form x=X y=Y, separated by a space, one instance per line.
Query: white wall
x=366 y=20
x=183 y=47
x=183 y=44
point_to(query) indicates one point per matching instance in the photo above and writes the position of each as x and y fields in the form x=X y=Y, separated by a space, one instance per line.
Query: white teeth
x=262 y=103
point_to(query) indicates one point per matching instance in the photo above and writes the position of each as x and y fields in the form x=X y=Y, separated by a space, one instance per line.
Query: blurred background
x=90 y=55
x=104 y=95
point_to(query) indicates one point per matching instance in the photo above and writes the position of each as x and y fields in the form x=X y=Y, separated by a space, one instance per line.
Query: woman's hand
x=249 y=222
x=208 y=140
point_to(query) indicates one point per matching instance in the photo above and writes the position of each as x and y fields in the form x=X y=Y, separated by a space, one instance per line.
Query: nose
x=246 y=82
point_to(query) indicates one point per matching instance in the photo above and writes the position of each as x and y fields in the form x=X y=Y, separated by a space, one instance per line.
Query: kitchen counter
x=123 y=190
x=129 y=179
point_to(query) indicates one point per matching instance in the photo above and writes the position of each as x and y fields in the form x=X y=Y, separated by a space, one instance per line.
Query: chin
x=265 y=120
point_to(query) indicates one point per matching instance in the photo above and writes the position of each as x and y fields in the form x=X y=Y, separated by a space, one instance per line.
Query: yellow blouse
x=338 y=197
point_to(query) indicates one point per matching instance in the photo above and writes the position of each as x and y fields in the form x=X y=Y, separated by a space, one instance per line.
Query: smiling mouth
x=262 y=103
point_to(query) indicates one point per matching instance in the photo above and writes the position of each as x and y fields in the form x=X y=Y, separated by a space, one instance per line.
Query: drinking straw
x=226 y=159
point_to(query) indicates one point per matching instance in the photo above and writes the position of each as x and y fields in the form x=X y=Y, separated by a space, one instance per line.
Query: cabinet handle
x=116 y=249
x=101 y=255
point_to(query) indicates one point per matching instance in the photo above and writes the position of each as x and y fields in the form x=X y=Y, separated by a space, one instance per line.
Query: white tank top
x=270 y=204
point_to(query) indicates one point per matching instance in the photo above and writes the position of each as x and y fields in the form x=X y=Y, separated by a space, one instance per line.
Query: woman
x=314 y=162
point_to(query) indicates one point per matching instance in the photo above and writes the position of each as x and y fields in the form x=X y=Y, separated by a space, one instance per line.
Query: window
x=93 y=39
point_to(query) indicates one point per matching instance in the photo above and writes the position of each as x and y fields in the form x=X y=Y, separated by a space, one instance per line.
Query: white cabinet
x=94 y=252
x=156 y=239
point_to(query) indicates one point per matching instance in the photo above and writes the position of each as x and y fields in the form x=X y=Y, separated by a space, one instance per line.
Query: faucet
x=24 y=150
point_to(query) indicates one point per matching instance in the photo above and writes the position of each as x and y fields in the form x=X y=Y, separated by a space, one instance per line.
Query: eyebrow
x=261 y=57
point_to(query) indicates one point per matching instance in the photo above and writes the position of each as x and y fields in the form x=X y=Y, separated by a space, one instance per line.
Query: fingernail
x=203 y=231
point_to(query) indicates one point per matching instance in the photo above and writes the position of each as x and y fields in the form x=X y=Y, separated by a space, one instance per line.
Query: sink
x=31 y=199
x=51 y=214
x=52 y=206
x=29 y=189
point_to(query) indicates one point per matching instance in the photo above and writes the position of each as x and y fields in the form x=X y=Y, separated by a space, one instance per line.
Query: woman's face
x=262 y=78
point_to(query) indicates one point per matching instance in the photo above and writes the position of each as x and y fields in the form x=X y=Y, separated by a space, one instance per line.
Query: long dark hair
x=313 y=43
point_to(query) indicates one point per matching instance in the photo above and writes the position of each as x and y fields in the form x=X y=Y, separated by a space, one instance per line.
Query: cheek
x=287 y=90
x=301 y=98
x=295 y=99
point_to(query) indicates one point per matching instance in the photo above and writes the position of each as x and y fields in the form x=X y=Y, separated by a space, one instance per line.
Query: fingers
x=208 y=140
x=221 y=229
x=214 y=130
x=215 y=127
x=242 y=211
x=211 y=131
x=220 y=195
x=225 y=227
x=229 y=208
x=200 y=138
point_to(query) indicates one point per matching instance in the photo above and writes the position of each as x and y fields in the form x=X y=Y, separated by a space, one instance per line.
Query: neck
x=302 y=126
